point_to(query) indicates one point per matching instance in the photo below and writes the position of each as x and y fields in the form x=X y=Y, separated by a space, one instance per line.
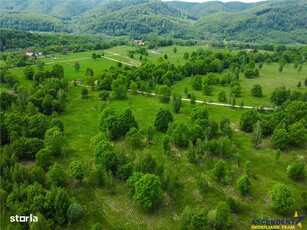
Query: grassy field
x=118 y=211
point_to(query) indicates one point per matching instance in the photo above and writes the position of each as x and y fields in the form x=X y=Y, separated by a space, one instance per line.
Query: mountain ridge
x=282 y=21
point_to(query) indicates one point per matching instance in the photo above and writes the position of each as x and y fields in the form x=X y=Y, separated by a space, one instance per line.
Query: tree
x=282 y=199
x=193 y=99
x=257 y=133
x=104 y=95
x=176 y=102
x=175 y=49
x=29 y=72
x=222 y=217
x=219 y=170
x=37 y=125
x=222 y=96
x=225 y=127
x=56 y=174
x=76 y=170
x=280 y=95
x=119 y=89
x=297 y=132
x=244 y=185
x=126 y=121
x=77 y=66
x=61 y=205
x=55 y=140
x=186 y=56
x=105 y=156
x=299 y=84
x=181 y=135
x=89 y=72
x=57 y=71
x=197 y=82
x=148 y=192
x=164 y=93
x=256 y=91
x=163 y=118
x=44 y=158
x=84 y=93
x=248 y=120
x=280 y=138
x=296 y=170
x=133 y=88
x=134 y=138
x=74 y=212
x=94 y=56
x=235 y=88
x=207 y=89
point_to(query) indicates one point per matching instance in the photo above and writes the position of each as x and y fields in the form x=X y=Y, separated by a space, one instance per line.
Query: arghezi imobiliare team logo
x=289 y=224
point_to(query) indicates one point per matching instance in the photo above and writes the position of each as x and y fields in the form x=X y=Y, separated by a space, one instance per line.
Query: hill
x=281 y=21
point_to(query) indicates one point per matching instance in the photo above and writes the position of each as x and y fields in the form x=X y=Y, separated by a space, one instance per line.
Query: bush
x=280 y=138
x=74 y=212
x=244 y=184
x=148 y=192
x=219 y=170
x=296 y=170
x=282 y=199
x=163 y=118
x=256 y=91
x=248 y=120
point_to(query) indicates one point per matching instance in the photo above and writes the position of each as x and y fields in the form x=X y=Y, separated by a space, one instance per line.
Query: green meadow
x=117 y=211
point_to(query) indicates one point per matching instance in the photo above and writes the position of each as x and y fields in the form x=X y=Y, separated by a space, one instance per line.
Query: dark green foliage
x=74 y=212
x=148 y=192
x=55 y=140
x=105 y=156
x=197 y=82
x=56 y=122
x=119 y=89
x=44 y=158
x=6 y=100
x=280 y=138
x=57 y=71
x=250 y=73
x=248 y=120
x=296 y=170
x=207 y=89
x=77 y=66
x=104 y=95
x=181 y=135
x=61 y=205
x=222 y=96
x=196 y=132
x=84 y=93
x=225 y=127
x=202 y=184
x=97 y=175
x=76 y=170
x=297 y=132
x=282 y=199
x=56 y=174
x=134 y=138
x=280 y=95
x=163 y=118
x=176 y=102
x=219 y=170
x=131 y=182
x=199 y=114
x=125 y=171
x=37 y=125
x=223 y=217
x=256 y=91
x=233 y=204
x=235 y=88
x=26 y=148
x=167 y=144
x=244 y=185
x=164 y=93
x=29 y=72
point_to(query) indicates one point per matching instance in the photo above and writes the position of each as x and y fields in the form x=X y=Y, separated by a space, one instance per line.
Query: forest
x=117 y=136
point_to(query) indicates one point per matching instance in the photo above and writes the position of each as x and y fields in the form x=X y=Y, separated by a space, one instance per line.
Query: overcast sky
x=247 y=1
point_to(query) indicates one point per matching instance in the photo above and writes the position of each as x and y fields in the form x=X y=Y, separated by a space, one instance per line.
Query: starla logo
x=299 y=219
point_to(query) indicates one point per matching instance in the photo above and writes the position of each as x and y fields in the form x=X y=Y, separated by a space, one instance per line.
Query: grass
x=118 y=211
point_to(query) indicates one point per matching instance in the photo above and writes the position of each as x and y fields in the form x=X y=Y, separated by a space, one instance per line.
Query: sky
x=247 y=1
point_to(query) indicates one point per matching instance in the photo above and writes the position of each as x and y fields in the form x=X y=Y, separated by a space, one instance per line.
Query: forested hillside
x=281 y=21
